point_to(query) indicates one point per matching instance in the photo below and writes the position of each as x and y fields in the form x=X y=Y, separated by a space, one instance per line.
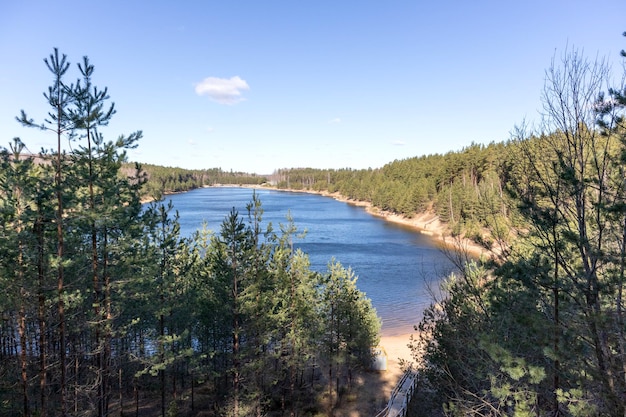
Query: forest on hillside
x=104 y=303
x=160 y=180
x=467 y=189
x=107 y=310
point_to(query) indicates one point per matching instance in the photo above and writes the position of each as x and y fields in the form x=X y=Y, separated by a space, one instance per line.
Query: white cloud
x=223 y=90
x=398 y=143
x=334 y=121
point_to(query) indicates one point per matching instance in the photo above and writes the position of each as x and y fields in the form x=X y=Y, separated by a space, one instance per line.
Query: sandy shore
x=397 y=349
x=425 y=223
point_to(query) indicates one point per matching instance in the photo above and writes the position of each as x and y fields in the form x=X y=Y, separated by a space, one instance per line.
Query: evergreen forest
x=161 y=180
x=105 y=302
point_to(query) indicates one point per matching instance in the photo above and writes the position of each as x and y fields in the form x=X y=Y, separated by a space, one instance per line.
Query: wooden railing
x=401 y=396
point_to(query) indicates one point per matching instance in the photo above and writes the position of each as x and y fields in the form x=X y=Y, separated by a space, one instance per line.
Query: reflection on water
x=397 y=267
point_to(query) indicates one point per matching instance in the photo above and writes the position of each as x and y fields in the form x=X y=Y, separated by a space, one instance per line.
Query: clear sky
x=259 y=85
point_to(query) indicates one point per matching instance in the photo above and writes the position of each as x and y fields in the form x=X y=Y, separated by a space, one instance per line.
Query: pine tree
x=60 y=99
x=107 y=216
x=351 y=325
x=235 y=239
x=18 y=186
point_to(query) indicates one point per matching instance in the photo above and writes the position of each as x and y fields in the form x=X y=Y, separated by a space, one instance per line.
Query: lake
x=397 y=267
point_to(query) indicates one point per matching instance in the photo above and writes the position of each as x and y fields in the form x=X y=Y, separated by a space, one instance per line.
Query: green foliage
x=576 y=402
x=169 y=307
x=172 y=409
x=352 y=326
x=462 y=188
x=542 y=332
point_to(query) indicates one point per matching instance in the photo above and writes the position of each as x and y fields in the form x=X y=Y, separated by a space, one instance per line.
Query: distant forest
x=160 y=179
x=107 y=310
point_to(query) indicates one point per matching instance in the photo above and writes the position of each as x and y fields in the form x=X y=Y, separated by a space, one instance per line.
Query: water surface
x=397 y=266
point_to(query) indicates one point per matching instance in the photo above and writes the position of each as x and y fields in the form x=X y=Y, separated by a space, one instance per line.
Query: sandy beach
x=396 y=348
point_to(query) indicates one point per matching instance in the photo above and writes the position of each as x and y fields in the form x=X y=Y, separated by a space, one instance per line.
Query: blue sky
x=259 y=85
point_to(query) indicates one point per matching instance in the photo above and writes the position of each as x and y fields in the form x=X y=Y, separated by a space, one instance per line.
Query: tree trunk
x=107 y=373
x=60 y=258
x=22 y=309
x=23 y=356
x=162 y=358
x=41 y=314
x=619 y=303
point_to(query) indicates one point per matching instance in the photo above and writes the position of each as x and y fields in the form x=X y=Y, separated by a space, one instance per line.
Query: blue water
x=397 y=267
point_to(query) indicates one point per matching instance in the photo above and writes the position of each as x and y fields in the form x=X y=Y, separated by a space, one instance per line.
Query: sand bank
x=426 y=223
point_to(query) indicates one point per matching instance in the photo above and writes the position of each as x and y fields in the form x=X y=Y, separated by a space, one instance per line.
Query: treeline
x=106 y=309
x=162 y=180
x=465 y=189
